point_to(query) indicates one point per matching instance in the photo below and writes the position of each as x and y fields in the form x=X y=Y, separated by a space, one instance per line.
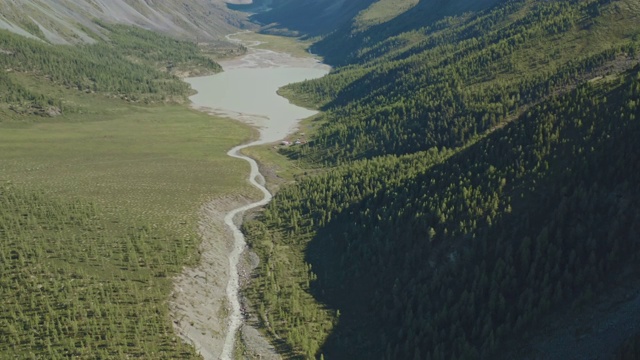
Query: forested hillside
x=479 y=175
x=134 y=65
x=77 y=282
x=460 y=77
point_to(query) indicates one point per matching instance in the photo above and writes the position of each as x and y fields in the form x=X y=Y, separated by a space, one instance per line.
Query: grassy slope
x=382 y=11
x=102 y=211
x=133 y=64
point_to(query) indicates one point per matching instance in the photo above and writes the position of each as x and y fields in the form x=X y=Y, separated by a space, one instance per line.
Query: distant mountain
x=313 y=17
x=72 y=21
x=355 y=22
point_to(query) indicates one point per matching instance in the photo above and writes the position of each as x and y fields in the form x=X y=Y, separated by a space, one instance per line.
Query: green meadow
x=156 y=159
x=99 y=209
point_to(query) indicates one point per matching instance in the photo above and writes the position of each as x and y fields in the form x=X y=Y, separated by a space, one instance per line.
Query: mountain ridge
x=72 y=21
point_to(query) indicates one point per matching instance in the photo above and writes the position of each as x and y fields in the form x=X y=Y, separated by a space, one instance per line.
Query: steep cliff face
x=72 y=21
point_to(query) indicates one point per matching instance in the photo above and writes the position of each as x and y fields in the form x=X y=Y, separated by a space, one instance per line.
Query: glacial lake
x=249 y=94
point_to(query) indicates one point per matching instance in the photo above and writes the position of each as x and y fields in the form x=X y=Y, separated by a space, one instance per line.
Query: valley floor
x=205 y=304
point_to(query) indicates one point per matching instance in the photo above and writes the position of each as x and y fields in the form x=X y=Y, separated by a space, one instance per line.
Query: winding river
x=246 y=91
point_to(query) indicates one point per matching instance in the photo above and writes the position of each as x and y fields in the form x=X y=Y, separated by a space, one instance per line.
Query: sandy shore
x=205 y=304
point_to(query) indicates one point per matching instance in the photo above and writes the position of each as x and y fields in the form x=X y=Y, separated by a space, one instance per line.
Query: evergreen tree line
x=131 y=65
x=453 y=253
x=77 y=283
x=455 y=83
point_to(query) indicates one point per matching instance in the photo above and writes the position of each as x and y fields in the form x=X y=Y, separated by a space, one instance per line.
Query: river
x=246 y=91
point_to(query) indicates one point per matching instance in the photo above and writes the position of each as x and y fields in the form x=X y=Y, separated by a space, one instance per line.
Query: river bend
x=246 y=91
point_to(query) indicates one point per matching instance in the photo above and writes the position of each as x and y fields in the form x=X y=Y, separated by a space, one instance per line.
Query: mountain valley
x=468 y=190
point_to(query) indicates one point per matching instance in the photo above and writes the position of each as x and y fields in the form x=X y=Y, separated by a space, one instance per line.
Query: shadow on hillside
x=337 y=47
x=312 y=17
x=381 y=270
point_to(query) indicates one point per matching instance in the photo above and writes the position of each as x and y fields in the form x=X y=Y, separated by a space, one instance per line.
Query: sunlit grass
x=164 y=161
x=382 y=11
x=164 y=157
x=99 y=210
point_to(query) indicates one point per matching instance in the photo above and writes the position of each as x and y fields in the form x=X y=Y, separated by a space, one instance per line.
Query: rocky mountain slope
x=72 y=21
